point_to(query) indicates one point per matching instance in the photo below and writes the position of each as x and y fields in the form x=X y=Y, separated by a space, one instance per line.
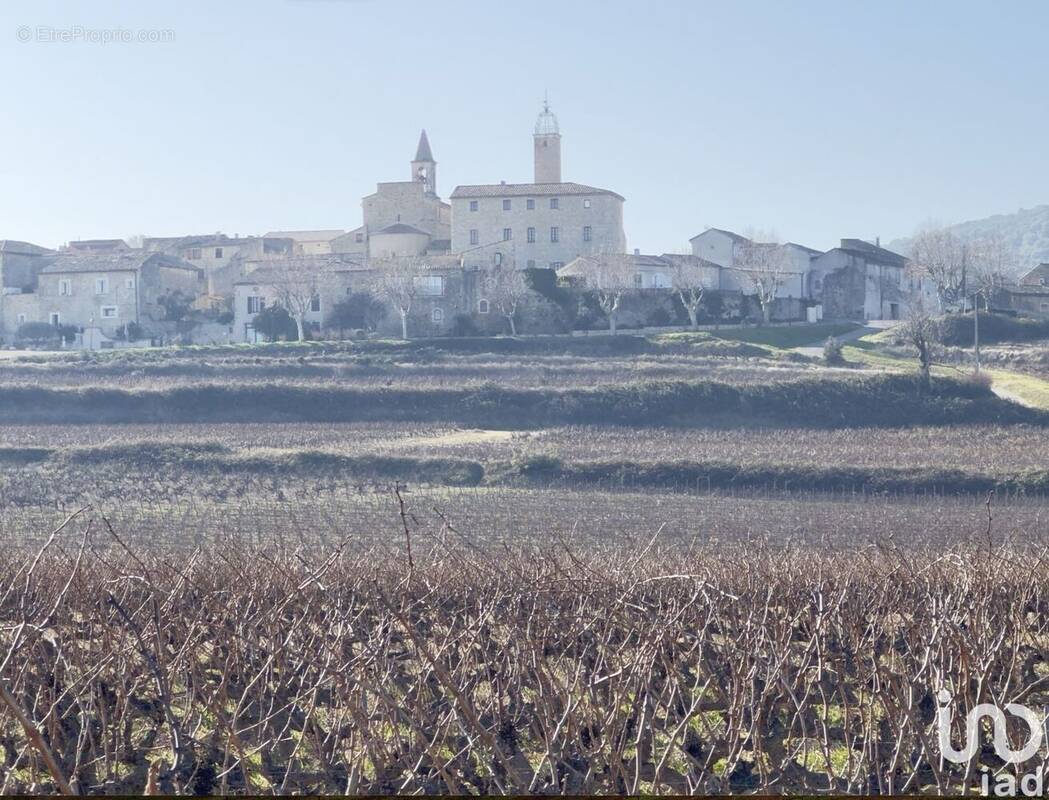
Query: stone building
x=725 y=249
x=107 y=290
x=402 y=217
x=1039 y=276
x=444 y=290
x=224 y=259
x=20 y=263
x=861 y=281
x=547 y=223
x=308 y=243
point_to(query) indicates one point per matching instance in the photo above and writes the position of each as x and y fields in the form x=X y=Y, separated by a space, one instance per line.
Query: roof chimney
x=637 y=251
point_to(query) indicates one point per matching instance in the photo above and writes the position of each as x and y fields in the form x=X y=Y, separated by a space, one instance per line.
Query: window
x=109 y=312
x=101 y=285
x=194 y=253
x=473 y=205
x=482 y=306
x=531 y=235
x=555 y=234
x=530 y=204
x=315 y=303
x=556 y=264
x=508 y=234
x=437 y=315
x=506 y=205
x=659 y=280
x=639 y=280
x=129 y=283
x=497 y=259
x=475 y=237
x=360 y=237
x=255 y=304
x=430 y=285
x=587 y=233
x=586 y=202
x=218 y=252
x=554 y=203
x=21 y=319
x=55 y=319
x=65 y=287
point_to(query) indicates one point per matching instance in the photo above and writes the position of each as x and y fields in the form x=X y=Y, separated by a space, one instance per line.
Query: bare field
x=437 y=371
x=987 y=448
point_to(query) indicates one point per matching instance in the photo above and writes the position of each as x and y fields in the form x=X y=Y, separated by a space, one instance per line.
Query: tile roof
x=274 y=270
x=734 y=236
x=123 y=261
x=306 y=236
x=400 y=227
x=22 y=248
x=528 y=190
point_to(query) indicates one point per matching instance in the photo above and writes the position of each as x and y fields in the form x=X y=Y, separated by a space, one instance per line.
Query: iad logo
x=1006 y=784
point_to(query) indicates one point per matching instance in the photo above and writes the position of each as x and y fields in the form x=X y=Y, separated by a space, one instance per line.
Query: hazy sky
x=818 y=120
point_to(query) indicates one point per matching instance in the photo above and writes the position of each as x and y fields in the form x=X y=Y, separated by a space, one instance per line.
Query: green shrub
x=958 y=330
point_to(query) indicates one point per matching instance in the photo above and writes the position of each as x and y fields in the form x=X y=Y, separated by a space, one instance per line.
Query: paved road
x=872 y=326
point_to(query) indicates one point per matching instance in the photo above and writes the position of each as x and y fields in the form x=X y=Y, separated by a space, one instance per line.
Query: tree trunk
x=766 y=312
x=612 y=323
x=693 y=317
x=513 y=325
x=300 y=328
x=404 y=324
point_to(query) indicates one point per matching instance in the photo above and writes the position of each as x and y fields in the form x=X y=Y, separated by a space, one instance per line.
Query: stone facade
x=20 y=263
x=723 y=248
x=535 y=225
x=224 y=259
x=111 y=290
x=862 y=281
x=543 y=224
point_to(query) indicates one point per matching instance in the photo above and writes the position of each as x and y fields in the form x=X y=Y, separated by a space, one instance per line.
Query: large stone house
x=547 y=223
x=725 y=248
x=105 y=290
x=861 y=281
x=444 y=290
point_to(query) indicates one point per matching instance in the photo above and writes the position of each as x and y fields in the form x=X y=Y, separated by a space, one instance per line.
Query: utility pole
x=976 y=330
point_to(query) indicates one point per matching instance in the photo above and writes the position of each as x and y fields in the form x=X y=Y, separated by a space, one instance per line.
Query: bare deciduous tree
x=297 y=283
x=688 y=279
x=398 y=282
x=762 y=264
x=940 y=256
x=919 y=330
x=506 y=287
x=609 y=276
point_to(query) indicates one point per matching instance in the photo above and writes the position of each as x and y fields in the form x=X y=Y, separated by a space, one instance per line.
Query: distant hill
x=1026 y=231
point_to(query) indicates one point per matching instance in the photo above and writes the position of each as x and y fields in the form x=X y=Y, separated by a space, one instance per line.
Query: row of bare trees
x=469 y=667
x=298 y=284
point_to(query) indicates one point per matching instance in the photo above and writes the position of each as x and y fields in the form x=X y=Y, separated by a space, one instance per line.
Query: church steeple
x=547 y=146
x=424 y=168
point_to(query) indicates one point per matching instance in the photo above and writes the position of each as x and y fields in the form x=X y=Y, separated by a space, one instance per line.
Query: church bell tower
x=424 y=168
x=547 y=141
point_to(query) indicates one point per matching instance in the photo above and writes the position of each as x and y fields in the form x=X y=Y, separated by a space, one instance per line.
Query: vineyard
x=631 y=567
